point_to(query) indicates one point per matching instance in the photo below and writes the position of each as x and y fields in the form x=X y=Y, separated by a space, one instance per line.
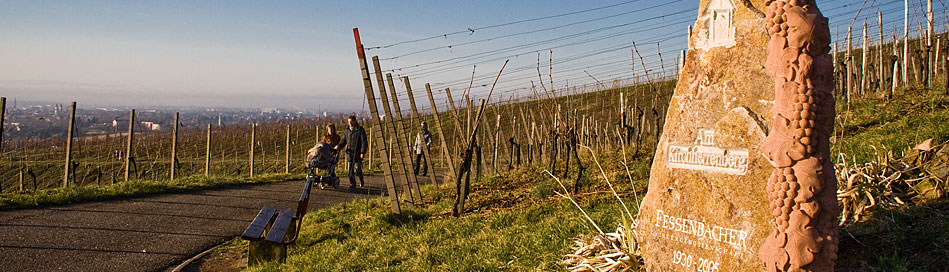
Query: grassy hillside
x=518 y=223
x=515 y=222
x=876 y=125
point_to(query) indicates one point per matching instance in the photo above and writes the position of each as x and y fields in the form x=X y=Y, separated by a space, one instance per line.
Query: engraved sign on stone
x=720 y=31
x=707 y=206
x=705 y=156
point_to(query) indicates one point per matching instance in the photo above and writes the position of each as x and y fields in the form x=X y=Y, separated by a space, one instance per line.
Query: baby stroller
x=322 y=157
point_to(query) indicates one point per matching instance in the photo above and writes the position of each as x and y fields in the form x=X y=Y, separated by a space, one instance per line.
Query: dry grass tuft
x=604 y=252
x=920 y=174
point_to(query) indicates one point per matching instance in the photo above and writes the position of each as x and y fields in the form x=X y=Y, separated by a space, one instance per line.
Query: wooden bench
x=272 y=230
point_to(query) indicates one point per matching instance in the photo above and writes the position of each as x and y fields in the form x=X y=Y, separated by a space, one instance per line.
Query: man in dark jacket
x=356 y=147
x=422 y=140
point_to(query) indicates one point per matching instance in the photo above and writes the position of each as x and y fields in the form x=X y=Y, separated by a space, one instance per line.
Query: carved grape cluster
x=776 y=18
x=796 y=188
x=782 y=189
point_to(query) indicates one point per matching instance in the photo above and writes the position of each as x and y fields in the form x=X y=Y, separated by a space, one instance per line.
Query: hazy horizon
x=46 y=93
x=301 y=54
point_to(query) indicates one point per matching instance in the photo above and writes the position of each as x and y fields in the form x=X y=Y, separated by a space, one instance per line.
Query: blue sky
x=300 y=54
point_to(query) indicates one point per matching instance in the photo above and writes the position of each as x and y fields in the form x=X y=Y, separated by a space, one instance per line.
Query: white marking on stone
x=705 y=156
x=719 y=29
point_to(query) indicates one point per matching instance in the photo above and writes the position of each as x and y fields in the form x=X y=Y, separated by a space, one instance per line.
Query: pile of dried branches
x=604 y=252
x=919 y=174
x=615 y=251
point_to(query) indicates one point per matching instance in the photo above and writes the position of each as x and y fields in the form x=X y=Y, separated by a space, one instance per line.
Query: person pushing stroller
x=325 y=156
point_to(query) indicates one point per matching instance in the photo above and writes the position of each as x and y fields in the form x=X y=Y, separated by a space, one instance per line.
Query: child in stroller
x=324 y=156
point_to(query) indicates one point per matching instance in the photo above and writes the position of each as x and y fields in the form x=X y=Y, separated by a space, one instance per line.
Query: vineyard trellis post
x=69 y=136
x=286 y=169
x=207 y=154
x=497 y=139
x=402 y=136
x=863 y=63
x=418 y=119
x=929 y=44
x=849 y=64
x=371 y=99
x=253 y=134
x=390 y=126
x=441 y=132
x=880 y=66
x=369 y=163
x=3 y=109
x=905 y=42
x=454 y=113
x=174 y=147
x=128 y=146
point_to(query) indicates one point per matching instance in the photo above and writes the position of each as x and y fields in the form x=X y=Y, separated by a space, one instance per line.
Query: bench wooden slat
x=304 y=202
x=279 y=228
x=257 y=227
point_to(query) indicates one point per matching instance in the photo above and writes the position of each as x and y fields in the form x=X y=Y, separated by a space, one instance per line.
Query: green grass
x=74 y=194
x=909 y=238
x=875 y=125
x=913 y=238
x=513 y=222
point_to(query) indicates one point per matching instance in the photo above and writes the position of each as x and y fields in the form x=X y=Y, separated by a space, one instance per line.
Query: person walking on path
x=332 y=139
x=356 y=147
x=425 y=136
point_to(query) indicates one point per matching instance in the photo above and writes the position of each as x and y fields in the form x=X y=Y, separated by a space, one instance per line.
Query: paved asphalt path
x=148 y=233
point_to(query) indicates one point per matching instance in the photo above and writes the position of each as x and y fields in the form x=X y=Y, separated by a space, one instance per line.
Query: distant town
x=52 y=120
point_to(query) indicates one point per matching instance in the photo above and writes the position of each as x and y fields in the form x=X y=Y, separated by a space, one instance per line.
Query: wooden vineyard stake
x=936 y=61
x=930 y=67
x=253 y=135
x=3 y=109
x=425 y=152
x=441 y=132
x=369 y=163
x=69 y=136
x=402 y=136
x=207 y=154
x=905 y=75
x=849 y=65
x=174 y=147
x=128 y=146
x=454 y=113
x=395 y=142
x=381 y=137
x=530 y=142
x=881 y=66
x=497 y=138
x=863 y=63
x=286 y=169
